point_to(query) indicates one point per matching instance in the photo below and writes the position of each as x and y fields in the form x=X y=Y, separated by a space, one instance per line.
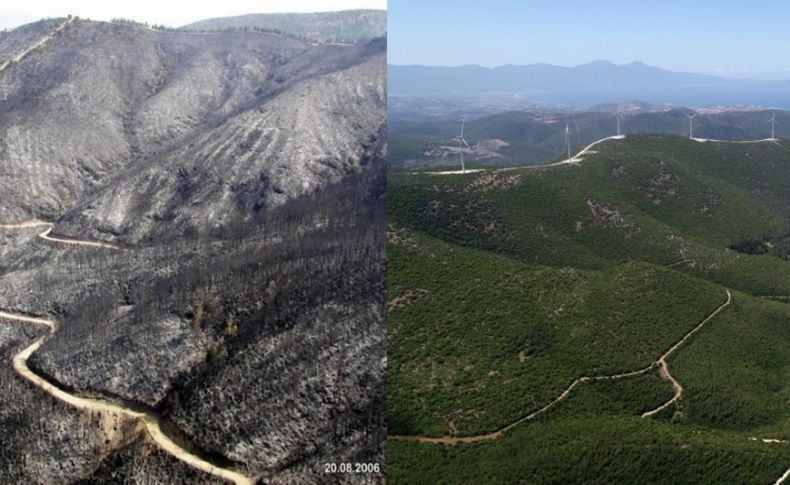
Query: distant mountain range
x=343 y=26
x=585 y=85
x=474 y=79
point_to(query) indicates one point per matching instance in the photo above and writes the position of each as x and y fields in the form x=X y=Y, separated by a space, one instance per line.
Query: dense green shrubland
x=506 y=286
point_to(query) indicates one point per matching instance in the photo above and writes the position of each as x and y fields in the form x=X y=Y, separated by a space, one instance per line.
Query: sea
x=768 y=95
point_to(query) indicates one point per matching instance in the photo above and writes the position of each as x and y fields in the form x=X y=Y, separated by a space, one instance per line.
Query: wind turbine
x=773 y=125
x=568 y=141
x=461 y=143
x=691 y=124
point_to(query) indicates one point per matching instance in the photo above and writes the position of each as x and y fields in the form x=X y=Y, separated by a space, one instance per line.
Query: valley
x=191 y=254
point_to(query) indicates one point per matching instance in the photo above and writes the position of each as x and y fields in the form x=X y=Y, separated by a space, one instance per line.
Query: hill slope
x=200 y=218
x=523 y=138
x=88 y=134
x=505 y=287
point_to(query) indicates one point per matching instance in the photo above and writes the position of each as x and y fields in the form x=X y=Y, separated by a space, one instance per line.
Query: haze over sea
x=770 y=94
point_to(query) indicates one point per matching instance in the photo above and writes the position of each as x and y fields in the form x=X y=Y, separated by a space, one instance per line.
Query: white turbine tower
x=568 y=141
x=461 y=143
x=773 y=125
x=691 y=124
x=619 y=118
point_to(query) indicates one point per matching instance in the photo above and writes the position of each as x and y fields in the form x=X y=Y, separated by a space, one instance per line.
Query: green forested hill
x=524 y=138
x=506 y=286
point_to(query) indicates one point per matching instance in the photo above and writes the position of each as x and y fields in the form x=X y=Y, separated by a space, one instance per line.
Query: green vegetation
x=532 y=138
x=630 y=396
x=641 y=199
x=505 y=287
x=750 y=246
x=737 y=372
x=589 y=450
x=456 y=357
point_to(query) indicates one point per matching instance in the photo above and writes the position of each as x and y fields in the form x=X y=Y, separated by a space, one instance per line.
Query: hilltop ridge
x=139 y=107
x=342 y=26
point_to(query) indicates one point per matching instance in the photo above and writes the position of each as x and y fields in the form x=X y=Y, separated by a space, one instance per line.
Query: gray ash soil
x=242 y=174
x=44 y=441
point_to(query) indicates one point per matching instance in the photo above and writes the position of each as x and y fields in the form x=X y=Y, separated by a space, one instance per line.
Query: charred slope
x=102 y=106
x=99 y=95
x=266 y=351
x=243 y=173
x=314 y=132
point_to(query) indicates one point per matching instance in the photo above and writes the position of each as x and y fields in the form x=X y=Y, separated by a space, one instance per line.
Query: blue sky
x=737 y=39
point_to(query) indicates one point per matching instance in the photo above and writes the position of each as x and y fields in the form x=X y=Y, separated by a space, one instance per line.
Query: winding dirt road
x=109 y=412
x=451 y=172
x=663 y=370
x=664 y=367
x=784 y=477
x=775 y=141
x=713 y=140
x=576 y=158
x=781 y=146
x=786 y=474
x=679 y=263
x=588 y=150
x=45 y=234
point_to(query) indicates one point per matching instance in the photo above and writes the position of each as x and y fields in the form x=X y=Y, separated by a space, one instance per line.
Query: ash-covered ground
x=241 y=174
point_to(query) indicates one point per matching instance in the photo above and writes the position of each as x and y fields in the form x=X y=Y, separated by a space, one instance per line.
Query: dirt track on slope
x=109 y=412
x=664 y=367
x=35 y=46
x=660 y=363
x=45 y=234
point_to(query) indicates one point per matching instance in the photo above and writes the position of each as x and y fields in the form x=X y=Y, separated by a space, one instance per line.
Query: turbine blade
x=465 y=143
